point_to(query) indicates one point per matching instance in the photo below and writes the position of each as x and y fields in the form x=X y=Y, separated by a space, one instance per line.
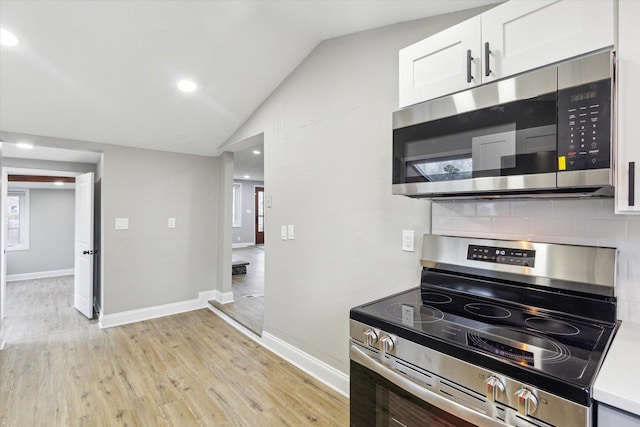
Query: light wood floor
x=247 y=307
x=40 y=307
x=189 y=369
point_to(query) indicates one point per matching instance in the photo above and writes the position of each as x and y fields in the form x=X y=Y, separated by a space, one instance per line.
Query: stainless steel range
x=498 y=333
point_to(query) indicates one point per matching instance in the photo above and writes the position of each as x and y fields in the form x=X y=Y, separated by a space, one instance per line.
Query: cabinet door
x=523 y=35
x=439 y=65
x=628 y=124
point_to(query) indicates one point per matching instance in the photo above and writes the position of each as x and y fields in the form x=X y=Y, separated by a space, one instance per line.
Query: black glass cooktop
x=528 y=338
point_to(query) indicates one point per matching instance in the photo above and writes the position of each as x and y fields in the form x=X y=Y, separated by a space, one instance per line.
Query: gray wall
x=246 y=233
x=327 y=135
x=51 y=233
x=150 y=264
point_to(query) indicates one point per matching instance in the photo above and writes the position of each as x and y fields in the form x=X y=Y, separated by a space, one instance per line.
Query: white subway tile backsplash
x=531 y=208
x=633 y=229
x=493 y=208
x=478 y=225
x=607 y=209
x=555 y=227
x=459 y=208
x=518 y=226
x=444 y=224
x=590 y=222
x=577 y=208
x=611 y=229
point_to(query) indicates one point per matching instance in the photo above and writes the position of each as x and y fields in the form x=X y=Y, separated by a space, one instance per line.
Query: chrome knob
x=370 y=337
x=526 y=401
x=387 y=344
x=493 y=388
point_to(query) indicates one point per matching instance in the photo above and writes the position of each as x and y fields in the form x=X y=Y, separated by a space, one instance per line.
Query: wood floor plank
x=183 y=370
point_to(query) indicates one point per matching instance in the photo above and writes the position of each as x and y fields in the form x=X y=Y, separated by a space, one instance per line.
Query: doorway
x=39 y=268
x=248 y=236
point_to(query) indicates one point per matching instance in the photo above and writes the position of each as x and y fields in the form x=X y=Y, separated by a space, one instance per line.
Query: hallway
x=247 y=307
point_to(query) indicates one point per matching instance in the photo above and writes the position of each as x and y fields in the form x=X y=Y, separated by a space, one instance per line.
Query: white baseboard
x=39 y=275
x=329 y=375
x=243 y=245
x=132 y=316
x=222 y=297
x=324 y=373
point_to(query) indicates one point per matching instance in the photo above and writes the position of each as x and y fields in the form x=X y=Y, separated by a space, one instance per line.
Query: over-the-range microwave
x=541 y=133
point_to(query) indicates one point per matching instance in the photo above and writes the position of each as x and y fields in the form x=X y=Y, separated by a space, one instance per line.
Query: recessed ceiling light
x=25 y=145
x=7 y=38
x=187 y=85
x=247 y=177
x=256 y=152
x=58 y=183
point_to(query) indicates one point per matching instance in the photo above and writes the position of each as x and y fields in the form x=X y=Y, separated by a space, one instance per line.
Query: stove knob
x=493 y=388
x=526 y=402
x=370 y=337
x=387 y=344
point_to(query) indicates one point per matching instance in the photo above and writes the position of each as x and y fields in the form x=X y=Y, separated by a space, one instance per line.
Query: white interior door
x=84 y=250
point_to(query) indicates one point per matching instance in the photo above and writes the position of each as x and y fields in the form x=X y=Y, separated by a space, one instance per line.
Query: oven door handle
x=422 y=393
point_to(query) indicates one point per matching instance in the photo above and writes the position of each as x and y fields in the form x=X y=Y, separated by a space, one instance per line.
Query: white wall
x=51 y=234
x=247 y=233
x=583 y=222
x=327 y=136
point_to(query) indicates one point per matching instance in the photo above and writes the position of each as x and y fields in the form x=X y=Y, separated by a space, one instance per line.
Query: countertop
x=617 y=382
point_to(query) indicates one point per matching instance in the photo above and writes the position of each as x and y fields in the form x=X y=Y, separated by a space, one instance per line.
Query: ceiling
x=106 y=71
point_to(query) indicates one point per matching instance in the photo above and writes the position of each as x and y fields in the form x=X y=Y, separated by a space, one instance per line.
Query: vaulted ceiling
x=106 y=71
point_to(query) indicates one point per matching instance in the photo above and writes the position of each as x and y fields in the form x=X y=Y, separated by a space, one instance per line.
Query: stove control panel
x=509 y=256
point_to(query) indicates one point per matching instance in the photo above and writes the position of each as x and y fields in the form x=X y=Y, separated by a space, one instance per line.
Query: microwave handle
x=487 y=52
x=469 y=59
x=632 y=183
x=421 y=392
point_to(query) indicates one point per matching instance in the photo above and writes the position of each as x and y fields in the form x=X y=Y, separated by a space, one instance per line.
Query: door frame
x=255 y=222
x=6 y=170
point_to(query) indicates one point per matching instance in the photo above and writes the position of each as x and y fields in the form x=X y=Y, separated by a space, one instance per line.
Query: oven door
x=381 y=396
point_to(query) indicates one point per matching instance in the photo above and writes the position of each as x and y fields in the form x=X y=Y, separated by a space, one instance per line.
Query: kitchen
x=335 y=143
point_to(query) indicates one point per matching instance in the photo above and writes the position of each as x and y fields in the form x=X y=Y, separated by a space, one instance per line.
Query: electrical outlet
x=172 y=223
x=407 y=315
x=122 y=223
x=408 y=237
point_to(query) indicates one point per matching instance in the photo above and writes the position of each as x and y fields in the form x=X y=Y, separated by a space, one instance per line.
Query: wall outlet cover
x=408 y=238
x=122 y=223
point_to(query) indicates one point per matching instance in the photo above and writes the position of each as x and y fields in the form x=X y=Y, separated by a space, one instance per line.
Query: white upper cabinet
x=523 y=35
x=444 y=63
x=628 y=123
x=516 y=36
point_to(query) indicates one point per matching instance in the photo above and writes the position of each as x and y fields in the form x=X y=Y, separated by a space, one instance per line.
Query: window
x=236 y=205
x=18 y=220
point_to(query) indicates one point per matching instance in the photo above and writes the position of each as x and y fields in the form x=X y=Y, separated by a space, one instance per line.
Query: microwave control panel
x=584 y=126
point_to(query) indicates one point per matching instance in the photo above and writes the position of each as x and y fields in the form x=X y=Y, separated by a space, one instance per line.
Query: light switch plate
x=172 y=223
x=283 y=232
x=291 y=232
x=269 y=201
x=408 y=237
x=122 y=223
